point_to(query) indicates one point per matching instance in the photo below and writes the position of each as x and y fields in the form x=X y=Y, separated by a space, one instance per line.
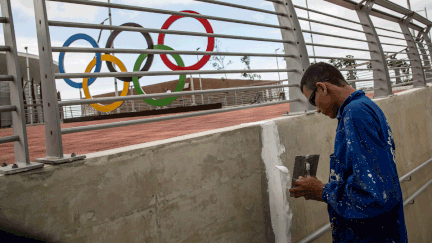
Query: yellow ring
x=115 y=105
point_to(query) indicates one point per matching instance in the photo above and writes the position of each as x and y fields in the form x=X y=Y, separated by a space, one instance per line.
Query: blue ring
x=98 y=58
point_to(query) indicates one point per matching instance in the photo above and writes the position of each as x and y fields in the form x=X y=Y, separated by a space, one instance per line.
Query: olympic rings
x=180 y=84
x=110 y=59
x=62 y=54
x=210 y=44
x=110 y=43
x=115 y=105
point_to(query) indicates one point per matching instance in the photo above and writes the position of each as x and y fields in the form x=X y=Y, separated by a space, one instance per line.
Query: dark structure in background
x=31 y=89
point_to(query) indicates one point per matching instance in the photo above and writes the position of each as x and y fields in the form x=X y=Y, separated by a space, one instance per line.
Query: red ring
x=210 y=44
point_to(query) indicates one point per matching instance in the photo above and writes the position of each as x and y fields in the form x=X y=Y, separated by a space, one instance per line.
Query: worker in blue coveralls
x=363 y=195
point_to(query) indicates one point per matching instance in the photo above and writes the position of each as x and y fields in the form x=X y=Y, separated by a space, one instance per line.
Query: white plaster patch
x=278 y=182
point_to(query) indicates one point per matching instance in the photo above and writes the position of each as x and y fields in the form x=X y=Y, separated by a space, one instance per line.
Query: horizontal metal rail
x=33 y=105
x=3 y=20
x=338 y=47
x=423 y=43
x=393 y=37
x=147 y=30
x=428 y=72
x=329 y=15
x=166 y=118
x=240 y=6
x=404 y=83
x=4 y=48
x=343 y=58
x=362 y=80
x=402 y=178
x=394 y=68
x=358 y=69
x=172 y=94
x=426 y=67
x=428 y=79
x=327 y=227
x=7 y=108
x=274 y=1
x=413 y=53
x=380 y=28
x=176 y=13
x=334 y=25
x=410 y=60
x=9 y=139
x=337 y=36
x=401 y=76
x=154 y=51
x=156 y=73
x=6 y=78
x=393 y=44
x=411 y=198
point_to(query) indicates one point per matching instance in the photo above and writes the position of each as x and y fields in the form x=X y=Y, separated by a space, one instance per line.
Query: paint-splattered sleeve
x=371 y=188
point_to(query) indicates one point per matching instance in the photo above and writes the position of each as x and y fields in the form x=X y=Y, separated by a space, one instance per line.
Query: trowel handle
x=307 y=169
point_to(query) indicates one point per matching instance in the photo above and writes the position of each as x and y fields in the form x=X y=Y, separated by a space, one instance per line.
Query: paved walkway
x=100 y=140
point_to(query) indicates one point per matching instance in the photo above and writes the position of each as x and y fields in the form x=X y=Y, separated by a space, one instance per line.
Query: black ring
x=150 y=57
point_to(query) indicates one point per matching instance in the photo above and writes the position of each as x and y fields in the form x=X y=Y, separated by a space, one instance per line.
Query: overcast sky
x=23 y=13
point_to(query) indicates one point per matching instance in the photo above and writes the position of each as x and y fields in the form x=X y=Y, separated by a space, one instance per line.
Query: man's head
x=325 y=86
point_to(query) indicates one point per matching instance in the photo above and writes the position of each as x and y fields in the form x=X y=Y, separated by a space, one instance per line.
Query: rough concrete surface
x=206 y=187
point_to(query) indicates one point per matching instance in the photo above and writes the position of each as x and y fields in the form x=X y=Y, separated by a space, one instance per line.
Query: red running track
x=100 y=140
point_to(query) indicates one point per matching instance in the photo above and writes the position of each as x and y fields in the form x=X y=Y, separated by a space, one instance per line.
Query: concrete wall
x=216 y=186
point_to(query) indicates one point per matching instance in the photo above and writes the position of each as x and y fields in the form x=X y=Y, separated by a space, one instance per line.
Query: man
x=363 y=196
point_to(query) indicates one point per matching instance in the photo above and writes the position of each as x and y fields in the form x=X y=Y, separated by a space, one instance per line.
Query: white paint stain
x=334 y=176
x=278 y=182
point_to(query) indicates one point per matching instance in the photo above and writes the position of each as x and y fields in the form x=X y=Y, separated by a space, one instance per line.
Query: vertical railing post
x=296 y=47
x=413 y=54
x=53 y=136
x=428 y=71
x=425 y=57
x=382 y=84
x=22 y=157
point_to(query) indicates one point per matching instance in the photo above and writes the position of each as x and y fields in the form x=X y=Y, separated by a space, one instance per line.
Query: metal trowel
x=303 y=165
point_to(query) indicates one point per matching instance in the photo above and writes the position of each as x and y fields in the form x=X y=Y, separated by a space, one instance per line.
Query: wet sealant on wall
x=278 y=182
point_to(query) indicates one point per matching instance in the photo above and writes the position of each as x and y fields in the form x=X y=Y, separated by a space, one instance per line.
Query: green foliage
x=343 y=63
x=218 y=62
x=399 y=63
x=251 y=76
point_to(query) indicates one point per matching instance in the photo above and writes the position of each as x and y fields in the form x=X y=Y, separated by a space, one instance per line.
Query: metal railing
x=295 y=54
x=16 y=107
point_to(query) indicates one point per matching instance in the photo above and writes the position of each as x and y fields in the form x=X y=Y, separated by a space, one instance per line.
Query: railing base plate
x=67 y=158
x=8 y=170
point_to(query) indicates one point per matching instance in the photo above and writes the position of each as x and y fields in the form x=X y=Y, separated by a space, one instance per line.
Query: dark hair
x=321 y=72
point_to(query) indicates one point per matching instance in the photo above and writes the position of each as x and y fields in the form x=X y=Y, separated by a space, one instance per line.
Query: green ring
x=180 y=84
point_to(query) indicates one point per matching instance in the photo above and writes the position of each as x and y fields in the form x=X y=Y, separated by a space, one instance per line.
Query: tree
x=394 y=63
x=251 y=76
x=218 y=62
x=343 y=63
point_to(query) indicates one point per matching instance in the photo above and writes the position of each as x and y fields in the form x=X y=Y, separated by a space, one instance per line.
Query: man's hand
x=309 y=187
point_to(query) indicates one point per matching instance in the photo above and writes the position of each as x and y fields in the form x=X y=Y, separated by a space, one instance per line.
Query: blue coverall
x=363 y=196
